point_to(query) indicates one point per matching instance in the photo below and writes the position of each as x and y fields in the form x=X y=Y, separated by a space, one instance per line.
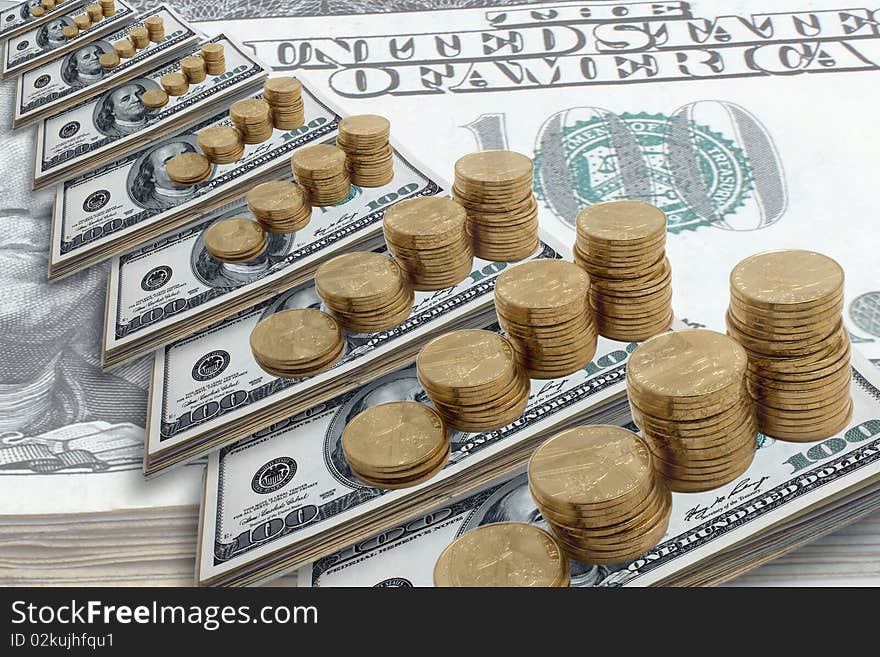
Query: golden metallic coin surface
x=234 y=236
x=502 y=554
x=109 y=60
x=364 y=125
x=493 y=166
x=296 y=336
x=186 y=167
x=543 y=283
x=786 y=278
x=362 y=274
x=466 y=359
x=320 y=157
x=276 y=196
x=283 y=86
x=429 y=216
x=623 y=221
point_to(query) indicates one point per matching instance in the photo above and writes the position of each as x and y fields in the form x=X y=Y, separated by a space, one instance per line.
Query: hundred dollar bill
x=130 y=200
x=286 y=496
x=116 y=122
x=18 y=18
x=171 y=287
x=712 y=536
x=78 y=75
x=39 y=44
x=208 y=390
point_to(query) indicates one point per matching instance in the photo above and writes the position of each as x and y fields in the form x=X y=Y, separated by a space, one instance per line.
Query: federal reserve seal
x=156 y=278
x=865 y=312
x=68 y=130
x=96 y=200
x=42 y=81
x=394 y=583
x=210 y=365
x=273 y=475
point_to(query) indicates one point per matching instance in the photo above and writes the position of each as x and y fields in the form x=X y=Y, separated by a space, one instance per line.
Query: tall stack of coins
x=188 y=168
x=253 y=119
x=785 y=309
x=396 y=445
x=365 y=291
x=503 y=554
x=280 y=206
x=124 y=48
x=597 y=489
x=297 y=343
x=428 y=237
x=108 y=7
x=222 y=144
x=108 y=60
x=174 y=84
x=365 y=140
x=473 y=379
x=321 y=171
x=622 y=245
x=155 y=28
x=95 y=13
x=193 y=68
x=82 y=21
x=68 y=31
x=284 y=95
x=235 y=240
x=687 y=390
x=140 y=37
x=215 y=58
x=495 y=187
x=543 y=306
x=154 y=98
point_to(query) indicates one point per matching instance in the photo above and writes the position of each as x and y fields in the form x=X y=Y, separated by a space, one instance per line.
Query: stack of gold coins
x=235 y=240
x=154 y=98
x=503 y=554
x=365 y=138
x=687 y=390
x=321 y=171
x=297 y=343
x=428 y=236
x=597 y=488
x=155 y=28
x=785 y=309
x=188 y=168
x=95 y=13
x=473 y=379
x=124 y=48
x=174 y=84
x=215 y=59
x=37 y=12
x=495 y=187
x=140 y=37
x=543 y=305
x=396 y=444
x=253 y=118
x=82 y=22
x=68 y=31
x=280 y=206
x=284 y=95
x=48 y=5
x=222 y=144
x=622 y=245
x=193 y=68
x=109 y=60
x=365 y=291
x=108 y=7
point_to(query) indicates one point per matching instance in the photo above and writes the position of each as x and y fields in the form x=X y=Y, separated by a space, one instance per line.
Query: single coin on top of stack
x=221 y=144
x=174 y=84
x=785 y=309
x=68 y=31
x=235 y=240
x=38 y=12
x=297 y=343
x=47 y=5
x=82 y=21
x=428 y=237
x=687 y=390
x=215 y=59
x=365 y=291
x=495 y=187
x=365 y=138
x=124 y=48
x=473 y=379
x=193 y=68
x=396 y=444
x=108 y=60
x=544 y=307
x=154 y=98
x=622 y=245
x=140 y=37
x=322 y=173
x=253 y=118
x=280 y=206
x=108 y=7
x=95 y=13
x=503 y=554
x=188 y=168
x=155 y=28
x=597 y=488
x=284 y=95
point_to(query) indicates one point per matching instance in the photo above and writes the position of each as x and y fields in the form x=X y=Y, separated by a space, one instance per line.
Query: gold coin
x=428 y=221
x=37 y=12
x=83 y=22
x=109 y=60
x=621 y=221
x=296 y=337
x=321 y=158
x=395 y=483
x=234 y=239
x=493 y=167
x=466 y=359
x=282 y=86
x=502 y=554
x=364 y=126
x=94 y=12
x=212 y=51
x=124 y=48
x=68 y=31
x=188 y=168
x=543 y=284
x=364 y=275
x=786 y=279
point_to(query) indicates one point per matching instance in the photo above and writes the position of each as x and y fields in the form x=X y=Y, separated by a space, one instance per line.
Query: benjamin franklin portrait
x=27 y=6
x=50 y=35
x=82 y=67
x=120 y=112
x=148 y=181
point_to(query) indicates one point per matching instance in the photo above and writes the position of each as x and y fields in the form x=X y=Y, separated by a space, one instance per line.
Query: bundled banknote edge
x=27 y=23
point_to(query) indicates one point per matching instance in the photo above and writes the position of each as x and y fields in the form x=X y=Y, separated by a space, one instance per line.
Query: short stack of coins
x=297 y=343
x=544 y=307
x=428 y=237
x=139 y=37
x=82 y=22
x=215 y=58
x=188 y=168
x=495 y=187
x=284 y=95
x=785 y=309
x=68 y=31
x=124 y=48
x=174 y=84
x=108 y=60
x=95 y=13
x=222 y=144
x=365 y=138
x=154 y=98
x=279 y=206
x=597 y=488
x=503 y=554
x=37 y=12
x=193 y=68
x=396 y=444
x=365 y=291
x=322 y=173
x=47 y=5
x=473 y=379
x=235 y=240
x=155 y=28
x=108 y=7
x=687 y=390
x=622 y=245
x=253 y=118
